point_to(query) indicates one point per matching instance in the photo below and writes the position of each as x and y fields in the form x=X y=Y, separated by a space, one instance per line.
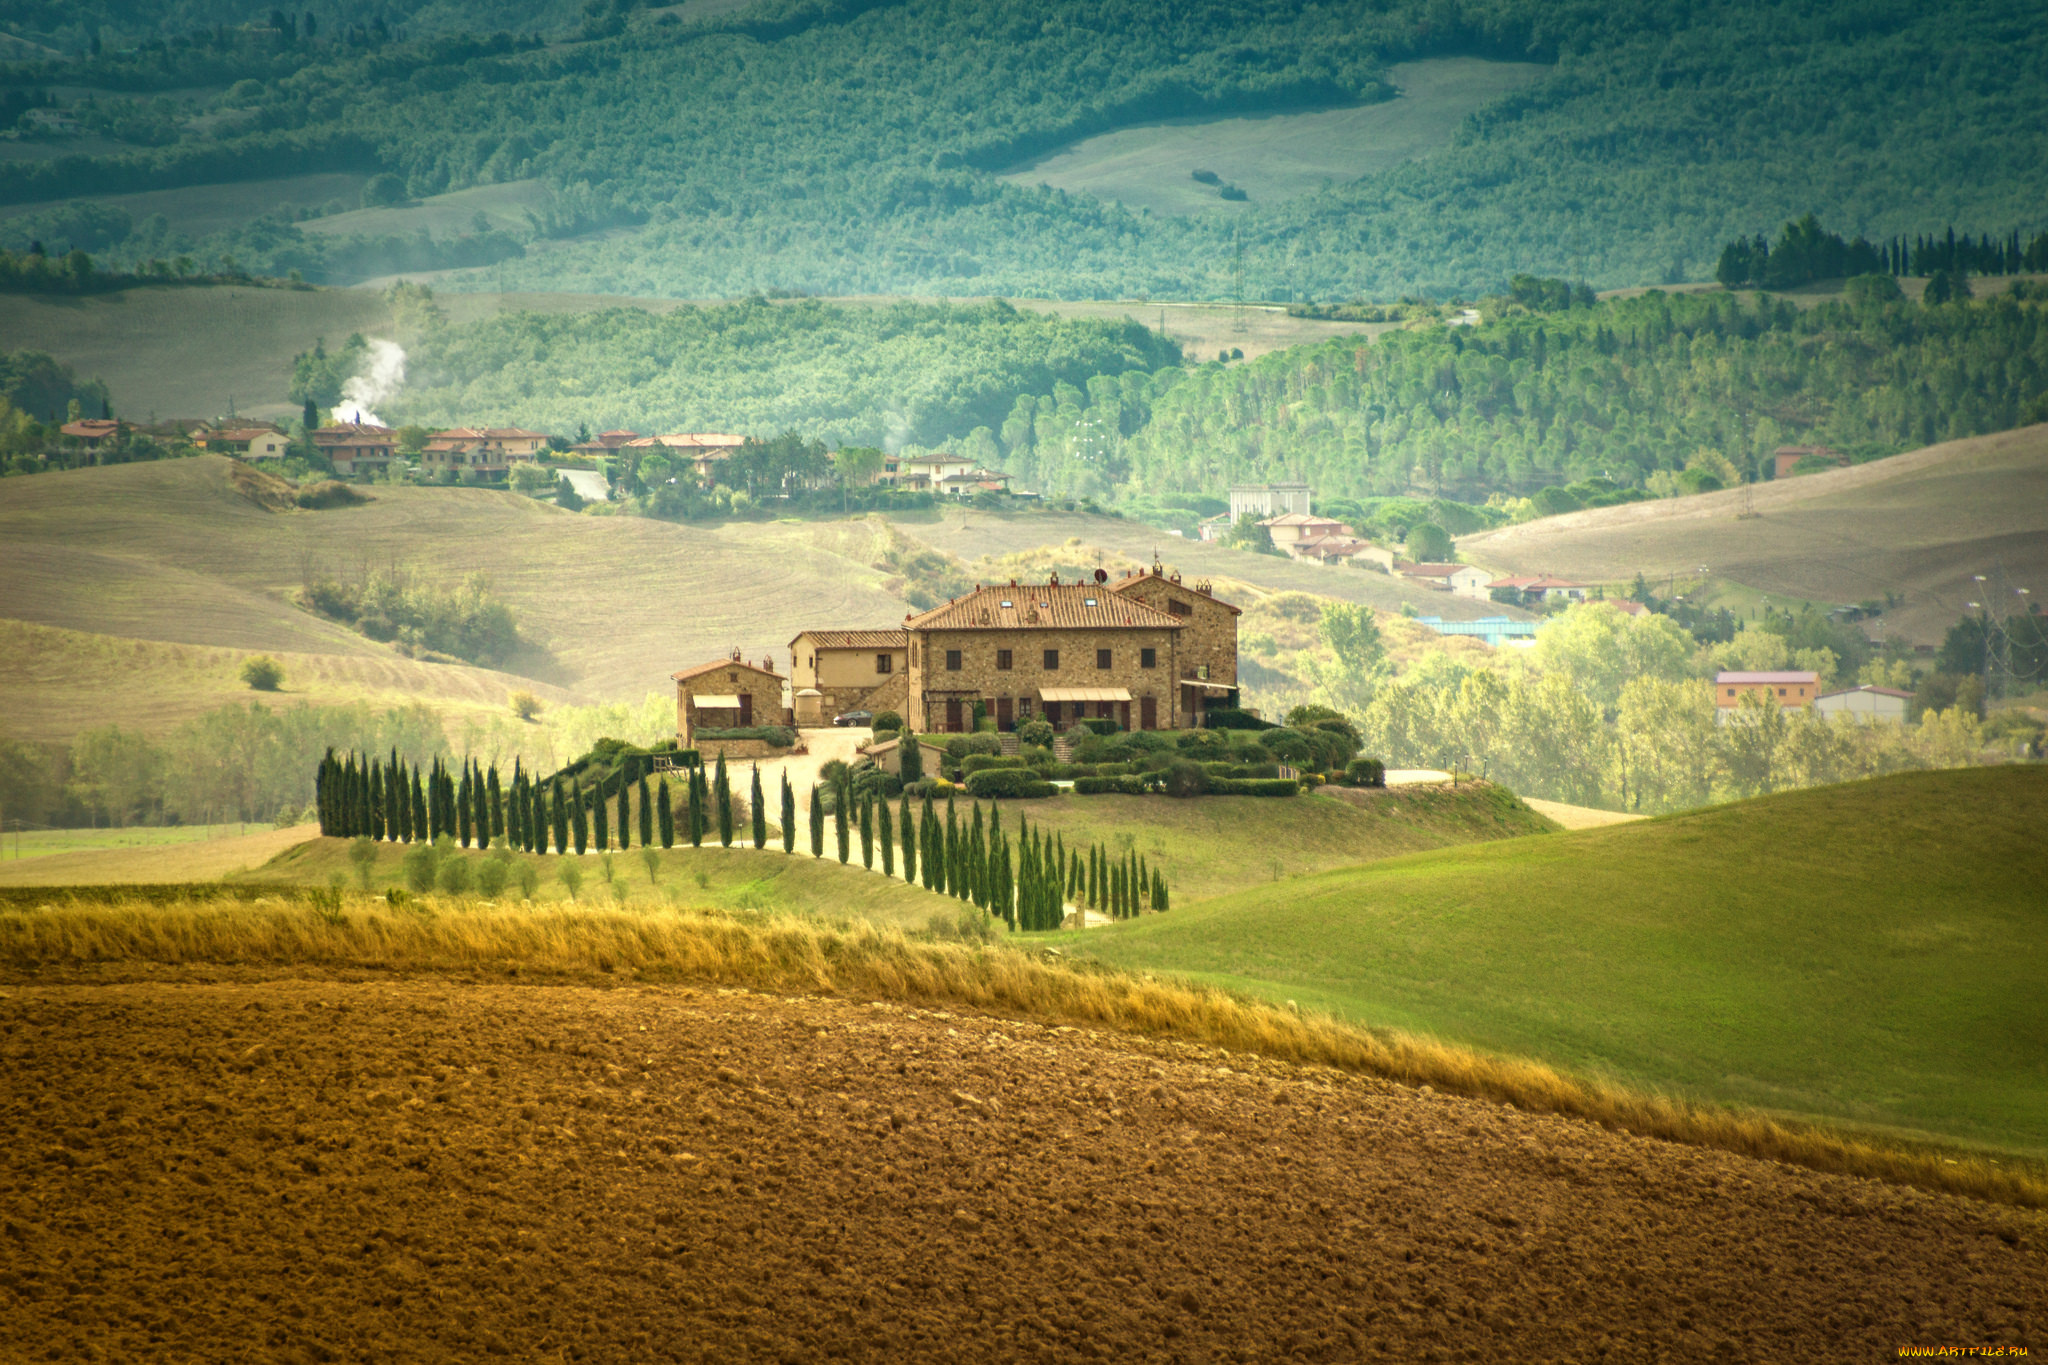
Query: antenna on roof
x=1102 y=575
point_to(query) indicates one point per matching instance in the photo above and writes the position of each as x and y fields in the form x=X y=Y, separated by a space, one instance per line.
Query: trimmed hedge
x=1254 y=786
x=1242 y=770
x=1233 y=718
x=1011 y=782
x=781 y=736
x=975 y=763
x=1109 y=786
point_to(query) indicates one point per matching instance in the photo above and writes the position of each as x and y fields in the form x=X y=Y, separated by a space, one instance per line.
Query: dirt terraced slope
x=422 y=1170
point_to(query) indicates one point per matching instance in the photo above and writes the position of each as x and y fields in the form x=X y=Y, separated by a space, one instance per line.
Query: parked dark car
x=854 y=718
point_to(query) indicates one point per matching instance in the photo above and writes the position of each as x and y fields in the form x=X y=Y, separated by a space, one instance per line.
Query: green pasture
x=42 y=843
x=1871 y=954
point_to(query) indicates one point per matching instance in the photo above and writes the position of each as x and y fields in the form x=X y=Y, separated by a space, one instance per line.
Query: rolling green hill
x=1867 y=954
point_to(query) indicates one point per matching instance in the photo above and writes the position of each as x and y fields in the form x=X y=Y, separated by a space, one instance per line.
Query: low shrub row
x=1254 y=786
x=1007 y=782
x=780 y=736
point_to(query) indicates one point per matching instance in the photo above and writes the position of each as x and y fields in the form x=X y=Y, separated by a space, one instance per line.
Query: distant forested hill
x=850 y=145
x=869 y=376
x=1662 y=391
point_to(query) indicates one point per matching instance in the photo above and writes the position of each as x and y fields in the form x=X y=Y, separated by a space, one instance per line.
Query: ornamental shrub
x=1256 y=786
x=1010 y=782
x=1120 y=785
x=1365 y=772
x=1185 y=778
x=975 y=763
x=1036 y=732
x=888 y=720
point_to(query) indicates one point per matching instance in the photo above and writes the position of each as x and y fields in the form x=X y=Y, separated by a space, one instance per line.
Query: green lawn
x=724 y=878
x=1872 y=953
x=41 y=843
x=1213 y=845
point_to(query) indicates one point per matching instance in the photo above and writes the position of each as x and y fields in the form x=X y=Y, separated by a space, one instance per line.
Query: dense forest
x=1664 y=392
x=904 y=373
x=837 y=146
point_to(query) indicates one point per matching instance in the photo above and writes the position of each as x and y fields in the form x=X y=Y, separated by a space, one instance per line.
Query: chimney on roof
x=736 y=654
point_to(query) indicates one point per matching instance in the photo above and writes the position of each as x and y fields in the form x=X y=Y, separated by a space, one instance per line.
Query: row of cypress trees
x=363 y=796
x=1027 y=883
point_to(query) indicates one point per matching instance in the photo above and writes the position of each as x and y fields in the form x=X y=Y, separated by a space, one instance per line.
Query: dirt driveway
x=319 y=1170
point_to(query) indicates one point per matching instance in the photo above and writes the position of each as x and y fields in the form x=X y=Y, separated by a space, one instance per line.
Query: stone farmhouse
x=356 y=447
x=487 y=452
x=727 y=693
x=834 y=671
x=1146 y=650
x=1459 y=580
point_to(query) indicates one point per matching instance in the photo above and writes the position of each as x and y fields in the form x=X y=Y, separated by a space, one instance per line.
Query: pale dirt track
x=320 y=1170
x=1579 y=817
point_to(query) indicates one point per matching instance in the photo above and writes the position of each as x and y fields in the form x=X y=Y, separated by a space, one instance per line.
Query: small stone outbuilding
x=727 y=693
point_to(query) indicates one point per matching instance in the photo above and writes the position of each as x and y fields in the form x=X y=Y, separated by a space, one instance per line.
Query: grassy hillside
x=1920 y=524
x=725 y=878
x=1279 y=155
x=611 y=606
x=1869 y=953
x=1219 y=844
x=59 y=681
x=126 y=857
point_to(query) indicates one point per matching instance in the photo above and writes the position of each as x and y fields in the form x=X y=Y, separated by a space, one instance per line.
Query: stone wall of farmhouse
x=765 y=688
x=1209 y=632
x=979 y=678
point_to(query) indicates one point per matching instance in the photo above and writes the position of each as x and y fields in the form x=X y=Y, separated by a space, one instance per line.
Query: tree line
x=1806 y=252
x=1025 y=881
x=838 y=156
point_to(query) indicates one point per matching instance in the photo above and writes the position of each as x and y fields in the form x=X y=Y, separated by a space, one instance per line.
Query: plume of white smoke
x=382 y=375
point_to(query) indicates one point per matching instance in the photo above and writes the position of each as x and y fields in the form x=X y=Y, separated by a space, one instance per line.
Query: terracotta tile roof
x=1043 y=606
x=1783 y=676
x=1868 y=687
x=691 y=440
x=1199 y=589
x=701 y=669
x=856 y=639
x=1300 y=519
x=354 y=431
x=91 y=427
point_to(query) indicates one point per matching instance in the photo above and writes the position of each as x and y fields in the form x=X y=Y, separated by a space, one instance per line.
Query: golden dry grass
x=192 y=861
x=80 y=935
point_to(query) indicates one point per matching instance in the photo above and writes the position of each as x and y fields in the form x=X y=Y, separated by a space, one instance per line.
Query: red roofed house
x=1295 y=529
x=1542 y=588
x=355 y=447
x=725 y=694
x=833 y=671
x=92 y=432
x=1147 y=652
x=484 y=451
x=254 y=441
x=1460 y=579
x=1789 y=687
x=703 y=449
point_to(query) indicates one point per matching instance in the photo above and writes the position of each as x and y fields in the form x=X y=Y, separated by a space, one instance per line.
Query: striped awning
x=1067 y=694
x=717 y=703
x=1211 y=686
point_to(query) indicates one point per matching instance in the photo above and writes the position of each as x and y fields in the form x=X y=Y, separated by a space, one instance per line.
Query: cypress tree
x=558 y=816
x=867 y=834
x=419 y=807
x=885 y=837
x=842 y=792
x=977 y=863
x=625 y=811
x=908 y=833
x=694 y=814
x=1088 y=892
x=817 y=824
x=788 y=814
x=646 y=814
x=600 y=818
x=462 y=809
x=724 y=805
x=497 y=805
x=932 y=851
x=1158 y=890
x=666 y=815
x=403 y=801
x=320 y=789
x=953 y=850
x=759 y=804
x=480 y=801
x=579 y=817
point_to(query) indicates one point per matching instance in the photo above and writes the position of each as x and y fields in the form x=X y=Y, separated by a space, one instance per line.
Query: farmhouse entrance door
x=746 y=708
x=1006 y=716
x=1148 y=713
x=952 y=714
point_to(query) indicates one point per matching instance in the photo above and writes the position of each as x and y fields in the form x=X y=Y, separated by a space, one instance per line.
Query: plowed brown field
x=347 y=1170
